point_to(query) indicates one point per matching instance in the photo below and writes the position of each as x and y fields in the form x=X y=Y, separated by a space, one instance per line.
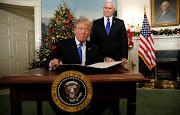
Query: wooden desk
x=35 y=85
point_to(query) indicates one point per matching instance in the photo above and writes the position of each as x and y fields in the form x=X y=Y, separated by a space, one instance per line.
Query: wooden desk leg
x=16 y=107
x=39 y=107
x=131 y=105
x=115 y=107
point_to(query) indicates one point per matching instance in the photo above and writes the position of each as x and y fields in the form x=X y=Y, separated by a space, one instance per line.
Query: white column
x=37 y=23
x=119 y=9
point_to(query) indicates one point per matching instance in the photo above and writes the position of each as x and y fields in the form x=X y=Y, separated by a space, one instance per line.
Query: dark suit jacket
x=116 y=44
x=67 y=51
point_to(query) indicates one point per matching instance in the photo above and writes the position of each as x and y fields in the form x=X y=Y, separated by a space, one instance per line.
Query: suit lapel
x=75 y=54
x=112 y=26
x=103 y=26
x=88 y=52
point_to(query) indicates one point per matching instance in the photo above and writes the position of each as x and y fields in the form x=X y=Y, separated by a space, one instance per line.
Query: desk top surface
x=41 y=75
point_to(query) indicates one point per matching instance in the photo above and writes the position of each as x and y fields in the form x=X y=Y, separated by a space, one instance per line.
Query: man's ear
x=89 y=33
x=114 y=10
x=74 y=30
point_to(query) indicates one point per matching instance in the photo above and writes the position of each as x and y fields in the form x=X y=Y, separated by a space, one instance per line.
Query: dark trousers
x=56 y=109
x=97 y=107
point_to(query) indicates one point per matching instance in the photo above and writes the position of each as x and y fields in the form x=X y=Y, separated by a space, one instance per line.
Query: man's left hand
x=108 y=60
x=125 y=61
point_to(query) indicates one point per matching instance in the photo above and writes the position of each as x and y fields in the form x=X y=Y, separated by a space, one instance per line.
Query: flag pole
x=144 y=7
x=146 y=45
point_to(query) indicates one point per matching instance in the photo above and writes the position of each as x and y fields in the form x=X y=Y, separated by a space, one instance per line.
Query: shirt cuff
x=50 y=65
x=105 y=59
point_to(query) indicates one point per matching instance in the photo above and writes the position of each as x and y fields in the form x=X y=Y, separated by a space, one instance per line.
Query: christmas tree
x=60 y=27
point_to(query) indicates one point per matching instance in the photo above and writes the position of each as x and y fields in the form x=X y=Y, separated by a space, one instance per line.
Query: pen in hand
x=59 y=62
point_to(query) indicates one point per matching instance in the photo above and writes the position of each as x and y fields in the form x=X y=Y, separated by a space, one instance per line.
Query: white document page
x=103 y=65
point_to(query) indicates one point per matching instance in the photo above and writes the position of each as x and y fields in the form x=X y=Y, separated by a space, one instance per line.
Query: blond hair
x=84 y=21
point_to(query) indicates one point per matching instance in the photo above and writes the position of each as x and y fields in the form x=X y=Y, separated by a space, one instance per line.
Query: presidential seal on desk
x=72 y=91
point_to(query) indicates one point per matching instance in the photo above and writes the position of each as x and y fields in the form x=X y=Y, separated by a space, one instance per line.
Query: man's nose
x=83 y=30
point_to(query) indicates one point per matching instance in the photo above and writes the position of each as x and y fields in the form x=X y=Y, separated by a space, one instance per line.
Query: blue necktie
x=80 y=52
x=108 y=27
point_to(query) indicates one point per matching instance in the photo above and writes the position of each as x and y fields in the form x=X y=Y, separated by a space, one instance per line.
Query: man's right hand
x=55 y=63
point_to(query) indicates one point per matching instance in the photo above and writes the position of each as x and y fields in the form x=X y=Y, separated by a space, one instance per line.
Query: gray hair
x=110 y=1
x=167 y=3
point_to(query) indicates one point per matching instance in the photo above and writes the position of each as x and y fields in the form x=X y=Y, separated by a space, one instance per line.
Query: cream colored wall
x=17 y=40
x=36 y=4
x=130 y=10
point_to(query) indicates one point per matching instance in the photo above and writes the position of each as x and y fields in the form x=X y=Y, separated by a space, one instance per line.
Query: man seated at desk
x=74 y=50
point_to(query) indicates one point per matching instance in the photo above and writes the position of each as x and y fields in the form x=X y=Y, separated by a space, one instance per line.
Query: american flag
x=146 y=45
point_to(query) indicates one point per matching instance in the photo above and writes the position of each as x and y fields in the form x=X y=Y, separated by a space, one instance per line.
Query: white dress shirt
x=83 y=48
x=105 y=21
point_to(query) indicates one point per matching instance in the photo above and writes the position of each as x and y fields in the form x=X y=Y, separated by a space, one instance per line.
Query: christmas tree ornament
x=53 y=38
x=58 y=36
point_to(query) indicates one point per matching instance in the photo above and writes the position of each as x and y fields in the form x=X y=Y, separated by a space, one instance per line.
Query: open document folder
x=95 y=68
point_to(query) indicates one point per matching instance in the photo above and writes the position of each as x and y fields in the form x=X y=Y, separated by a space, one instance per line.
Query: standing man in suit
x=67 y=50
x=109 y=34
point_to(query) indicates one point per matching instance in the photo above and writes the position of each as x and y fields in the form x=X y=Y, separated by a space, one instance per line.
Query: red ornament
x=66 y=22
x=58 y=19
x=68 y=35
x=54 y=47
x=129 y=35
x=46 y=39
